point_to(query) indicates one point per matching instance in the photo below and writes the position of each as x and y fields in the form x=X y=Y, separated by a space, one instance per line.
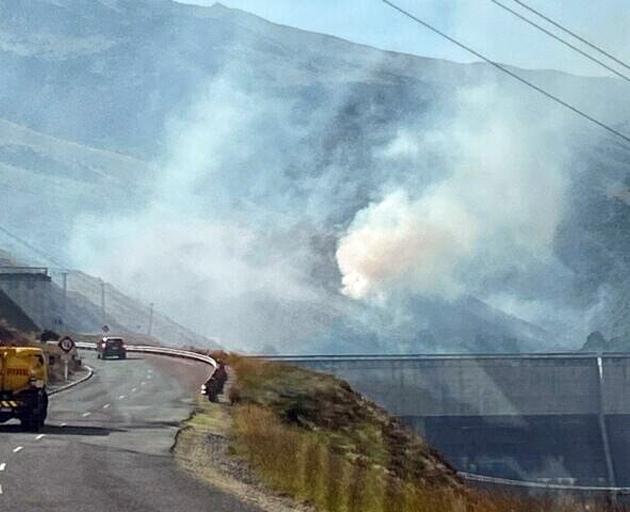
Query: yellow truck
x=23 y=381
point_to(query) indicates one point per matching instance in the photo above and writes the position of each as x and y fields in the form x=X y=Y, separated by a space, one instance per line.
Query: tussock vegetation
x=311 y=437
x=310 y=467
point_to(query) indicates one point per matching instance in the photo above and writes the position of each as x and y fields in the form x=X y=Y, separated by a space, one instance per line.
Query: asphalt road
x=106 y=444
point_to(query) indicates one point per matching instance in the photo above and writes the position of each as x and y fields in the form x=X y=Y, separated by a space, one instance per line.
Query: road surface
x=106 y=445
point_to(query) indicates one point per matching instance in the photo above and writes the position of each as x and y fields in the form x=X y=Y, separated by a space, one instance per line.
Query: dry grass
x=304 y=465
x=310 y=437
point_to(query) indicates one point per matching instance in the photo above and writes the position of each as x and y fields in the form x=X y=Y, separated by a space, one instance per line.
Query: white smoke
x=496 y=209
x=225 y=242
x=400 y=243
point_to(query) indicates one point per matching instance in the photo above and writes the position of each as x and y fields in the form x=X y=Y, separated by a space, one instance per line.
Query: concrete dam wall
x=31 y=290
x=558 y=418
x=486 y=385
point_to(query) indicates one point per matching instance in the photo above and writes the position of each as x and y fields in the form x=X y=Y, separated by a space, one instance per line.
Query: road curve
x=106 y=445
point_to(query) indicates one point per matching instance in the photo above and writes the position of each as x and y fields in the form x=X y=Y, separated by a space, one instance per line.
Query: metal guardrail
x=472 y=477
x=160 y=351
x=70 y=385
x=438 y=357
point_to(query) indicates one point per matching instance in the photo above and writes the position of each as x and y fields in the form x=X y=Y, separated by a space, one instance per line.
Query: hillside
x=125 y=314
x=216 y=163
x=83 y=312
x=285 y=438
x=50 y=180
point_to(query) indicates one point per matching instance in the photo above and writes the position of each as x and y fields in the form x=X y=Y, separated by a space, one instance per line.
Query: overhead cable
x=509 y=72
x=46 y=257
x=558 y=38
x=571 y=33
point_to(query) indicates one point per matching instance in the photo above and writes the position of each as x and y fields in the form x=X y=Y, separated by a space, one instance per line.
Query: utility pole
x=64 y=281
x=150 y=318
x=102 y=283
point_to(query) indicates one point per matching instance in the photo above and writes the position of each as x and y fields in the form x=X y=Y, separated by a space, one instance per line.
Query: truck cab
x=23 y=383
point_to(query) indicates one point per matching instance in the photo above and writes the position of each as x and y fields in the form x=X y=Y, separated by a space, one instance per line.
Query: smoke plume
x=496 y=208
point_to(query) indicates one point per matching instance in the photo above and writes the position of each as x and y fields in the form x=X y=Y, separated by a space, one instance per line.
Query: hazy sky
x=478 y=22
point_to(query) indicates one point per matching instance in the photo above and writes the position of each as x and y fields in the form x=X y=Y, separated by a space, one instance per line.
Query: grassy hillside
x=311 y=437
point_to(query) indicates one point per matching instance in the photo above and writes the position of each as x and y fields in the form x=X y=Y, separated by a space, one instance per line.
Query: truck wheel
x=31 y=423
x=37 y=417
x=44 y=414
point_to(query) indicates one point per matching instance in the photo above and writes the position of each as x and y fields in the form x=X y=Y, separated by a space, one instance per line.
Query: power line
x=33 y=249
x=505 y=70
x=563 y=41
x=571 y=33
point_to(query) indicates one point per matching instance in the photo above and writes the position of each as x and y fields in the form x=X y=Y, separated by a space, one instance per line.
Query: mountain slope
x=49 y=180
x=268 y=145
x=132 y=63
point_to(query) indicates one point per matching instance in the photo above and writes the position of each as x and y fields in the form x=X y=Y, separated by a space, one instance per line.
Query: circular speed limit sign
x=66 y=344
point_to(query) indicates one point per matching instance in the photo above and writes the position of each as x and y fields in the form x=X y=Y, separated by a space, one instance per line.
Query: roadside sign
x=66 y=344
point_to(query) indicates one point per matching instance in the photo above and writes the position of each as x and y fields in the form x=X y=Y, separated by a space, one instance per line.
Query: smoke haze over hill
x=269 y=186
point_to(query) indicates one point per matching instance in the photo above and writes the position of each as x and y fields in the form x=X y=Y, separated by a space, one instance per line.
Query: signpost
x=66 y=344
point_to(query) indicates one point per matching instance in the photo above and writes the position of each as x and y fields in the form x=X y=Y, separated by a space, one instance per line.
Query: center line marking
x=40 y=436
x=107 y=406
x=17 y=449
x=122 y=397
x=86 y=414
x=133 y=390
x=3 y=466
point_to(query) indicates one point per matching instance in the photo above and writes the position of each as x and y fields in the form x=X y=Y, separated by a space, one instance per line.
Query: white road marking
x=122 y=397
x=63 y=424
x=18 y=449
x=143 y=383
x=86 y=414
x=40 y=436
x=133 y=390
x=3 y=466
x=107 y=406
x=1 y=492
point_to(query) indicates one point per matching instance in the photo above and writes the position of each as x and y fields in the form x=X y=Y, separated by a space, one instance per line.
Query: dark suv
x=111 y=347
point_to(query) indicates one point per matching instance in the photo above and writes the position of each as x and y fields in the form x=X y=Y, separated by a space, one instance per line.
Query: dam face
x=553 y=418
x=30 y=288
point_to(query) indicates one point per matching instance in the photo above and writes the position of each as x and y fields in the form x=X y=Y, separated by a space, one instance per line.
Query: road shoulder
x=202 y=449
